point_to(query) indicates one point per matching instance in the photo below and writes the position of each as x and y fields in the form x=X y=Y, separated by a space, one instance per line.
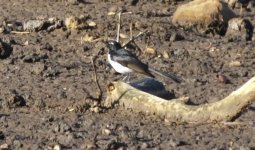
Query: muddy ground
x=47 y=88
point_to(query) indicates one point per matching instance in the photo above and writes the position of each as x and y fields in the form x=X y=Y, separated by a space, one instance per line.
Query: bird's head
x=113 y=45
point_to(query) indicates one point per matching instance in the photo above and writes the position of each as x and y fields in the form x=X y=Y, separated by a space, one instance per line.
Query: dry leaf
x=150 y=50
x=72 y=22
x=111 y=13
x=166 y=55
x=235 y=63
x=123 y=36
x=87 y=38
x=92 y=24
x=1 y=30
x=26 y=43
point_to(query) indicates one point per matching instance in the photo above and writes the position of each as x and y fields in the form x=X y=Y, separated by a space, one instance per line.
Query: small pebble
x=4 y=146
x=17 y=144
x=144 y=146
x=222 y=78
x=122 y=148
x=106 y=131
x=174 y=143
x=57 y=147
x=1 y=135
x=150 y=50
x=173 y=37
x=73 y=2
x=166 y=55
x=95 y=109
x=235 y=64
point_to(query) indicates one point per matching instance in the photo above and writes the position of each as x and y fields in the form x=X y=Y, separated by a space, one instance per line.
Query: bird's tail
x=168 y=75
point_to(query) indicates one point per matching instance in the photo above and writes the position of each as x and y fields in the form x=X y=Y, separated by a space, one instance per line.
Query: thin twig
x=134 y=38
x=131 y=31
x=209 y=46
x=96 y=79
x=119 y=24
x=127 y=13
x=20 y=32
x=118 y=27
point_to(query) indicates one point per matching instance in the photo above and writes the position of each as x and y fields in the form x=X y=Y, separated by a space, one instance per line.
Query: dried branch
x=118 y=27
x=176 y=110
x=20 y=32
x=134 y=38
x=96 y=79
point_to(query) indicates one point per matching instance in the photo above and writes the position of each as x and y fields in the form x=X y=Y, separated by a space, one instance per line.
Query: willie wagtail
x=125 y=62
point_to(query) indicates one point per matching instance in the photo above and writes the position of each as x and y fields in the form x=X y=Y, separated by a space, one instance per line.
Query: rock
x=2 y=135
x=222 y=78
x=91 y=23
x=64 y=127
x=71 y=22
x=35 y=57
x=112 y=10
x=65 y=139
x=145 y=146
x=53 y=23
x=57 y=147
x=231 y=3
x=235 y=63
x=150 y=51
x=47 y=46
x=180 y=52
x=165 y=55
x=88 y=145
x=17 y=144
x=38 y=68
x=204 y=15
x=95 y=109
x=11 y=25
x=106 y=131
x=4 y=146
x=5 y=50
x=78 y=23
x=33 y=25
x=176 y=37
x=73 y=2
x=42 y=24
x=39 y=104
x=240 y=28
x=1 y=29
x=122 y=148
x=245 y=148
x=244 y=3
x=176 y=143
x=16 y=101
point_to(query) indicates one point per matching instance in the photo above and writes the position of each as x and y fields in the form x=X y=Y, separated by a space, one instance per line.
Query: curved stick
x=176 y=110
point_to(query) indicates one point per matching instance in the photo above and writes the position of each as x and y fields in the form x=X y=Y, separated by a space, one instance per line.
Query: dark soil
x=48 y=94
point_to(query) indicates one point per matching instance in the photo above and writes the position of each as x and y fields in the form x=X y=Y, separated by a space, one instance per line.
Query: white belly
x=118 y=67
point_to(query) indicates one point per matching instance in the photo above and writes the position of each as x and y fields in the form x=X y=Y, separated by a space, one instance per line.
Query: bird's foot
x=126 y=78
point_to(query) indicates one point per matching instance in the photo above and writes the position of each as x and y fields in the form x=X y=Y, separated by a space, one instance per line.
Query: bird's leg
x=128 y=75
x=241 y=11
x=126 y=78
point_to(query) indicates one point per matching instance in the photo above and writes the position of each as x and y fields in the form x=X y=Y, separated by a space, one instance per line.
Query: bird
x=124 y=62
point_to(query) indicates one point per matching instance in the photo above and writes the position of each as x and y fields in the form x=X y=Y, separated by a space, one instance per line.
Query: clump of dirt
x=49 y=98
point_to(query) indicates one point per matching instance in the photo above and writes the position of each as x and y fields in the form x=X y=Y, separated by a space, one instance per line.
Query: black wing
x=129 y=60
